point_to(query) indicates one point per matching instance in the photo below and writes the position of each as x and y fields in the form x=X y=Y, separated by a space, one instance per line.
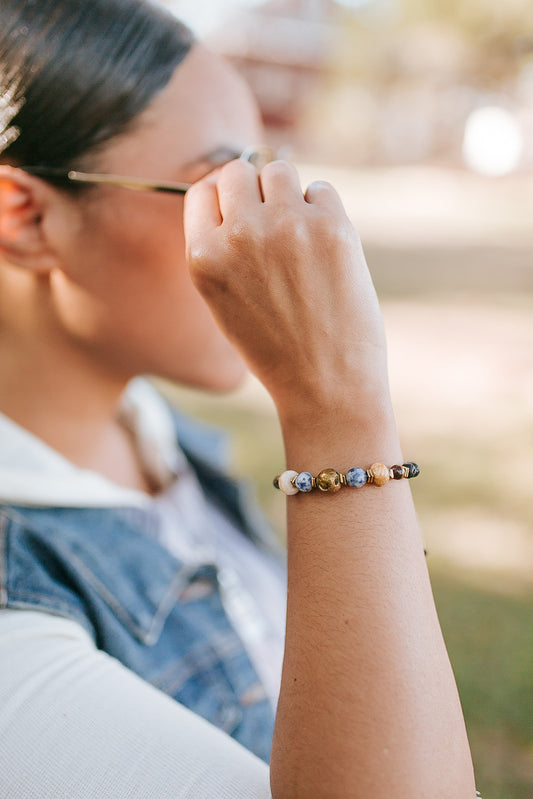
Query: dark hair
x=75 y=73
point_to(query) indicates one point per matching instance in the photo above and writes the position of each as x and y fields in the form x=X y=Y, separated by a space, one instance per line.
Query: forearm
x=368 y=703
x=368 y=706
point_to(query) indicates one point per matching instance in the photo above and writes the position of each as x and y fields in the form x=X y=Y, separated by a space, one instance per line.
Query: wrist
x=341 y=436
x=360 y=405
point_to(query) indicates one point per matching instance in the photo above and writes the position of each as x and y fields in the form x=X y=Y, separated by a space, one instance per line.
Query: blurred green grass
x=490 y=641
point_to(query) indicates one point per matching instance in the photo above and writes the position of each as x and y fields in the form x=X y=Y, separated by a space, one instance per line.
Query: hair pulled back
x=75 y=73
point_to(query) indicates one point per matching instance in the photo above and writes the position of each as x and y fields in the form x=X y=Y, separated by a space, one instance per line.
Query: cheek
x=129 y=243
x=148 y=233
x=126 y=295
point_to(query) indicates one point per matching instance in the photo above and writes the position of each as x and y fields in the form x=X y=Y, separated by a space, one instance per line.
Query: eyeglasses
x=258 y=156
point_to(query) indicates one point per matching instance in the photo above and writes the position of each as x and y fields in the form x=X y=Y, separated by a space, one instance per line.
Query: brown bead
x=329 y=480
x=397 y=472
x=380 y=474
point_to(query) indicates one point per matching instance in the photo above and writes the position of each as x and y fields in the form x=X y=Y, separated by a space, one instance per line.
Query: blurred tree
x=501 y=34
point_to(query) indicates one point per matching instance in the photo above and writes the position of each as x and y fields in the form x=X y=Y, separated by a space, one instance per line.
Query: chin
x=225 y=380
x=221 y=374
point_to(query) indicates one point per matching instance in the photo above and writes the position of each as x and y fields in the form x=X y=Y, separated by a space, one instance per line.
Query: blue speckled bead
x=356 y=478
x=304 y=482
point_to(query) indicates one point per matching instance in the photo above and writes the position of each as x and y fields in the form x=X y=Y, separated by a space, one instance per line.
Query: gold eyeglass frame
x=259 y=156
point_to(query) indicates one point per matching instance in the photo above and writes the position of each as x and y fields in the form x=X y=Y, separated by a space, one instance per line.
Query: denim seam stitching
x=148 y=634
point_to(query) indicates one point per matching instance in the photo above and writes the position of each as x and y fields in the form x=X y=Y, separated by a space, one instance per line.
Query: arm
x=76 y=724
x=368 y=703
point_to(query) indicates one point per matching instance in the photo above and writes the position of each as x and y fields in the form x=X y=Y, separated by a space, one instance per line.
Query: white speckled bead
x=285 y=484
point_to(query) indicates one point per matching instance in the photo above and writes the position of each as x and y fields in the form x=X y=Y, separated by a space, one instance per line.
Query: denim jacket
x=162 y=619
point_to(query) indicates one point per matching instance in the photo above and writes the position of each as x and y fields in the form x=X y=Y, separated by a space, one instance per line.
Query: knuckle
x=196 y=253
x=207 y=274
x=290 y=224
x=199 y=264
x=237 y=234
x=347 y=237
x=347 y=232
x=335 y=230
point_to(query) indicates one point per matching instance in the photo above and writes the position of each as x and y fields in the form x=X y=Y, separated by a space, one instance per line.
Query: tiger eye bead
x=380 y=474
x=397 y=472
x=329 y=480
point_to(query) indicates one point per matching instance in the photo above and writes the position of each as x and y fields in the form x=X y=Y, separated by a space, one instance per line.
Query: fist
x=286 y=279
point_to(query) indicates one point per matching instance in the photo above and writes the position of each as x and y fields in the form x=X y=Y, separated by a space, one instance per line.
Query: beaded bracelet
x=330 y=480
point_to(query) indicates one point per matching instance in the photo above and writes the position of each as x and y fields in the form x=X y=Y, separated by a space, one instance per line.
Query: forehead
x=206 y=107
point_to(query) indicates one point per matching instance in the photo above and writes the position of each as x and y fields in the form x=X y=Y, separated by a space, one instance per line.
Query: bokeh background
x=421 y=114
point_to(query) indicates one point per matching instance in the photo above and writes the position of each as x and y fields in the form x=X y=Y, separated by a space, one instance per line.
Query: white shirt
x=74 y=722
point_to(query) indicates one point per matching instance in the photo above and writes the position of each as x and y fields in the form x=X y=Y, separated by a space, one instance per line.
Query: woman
x=138 y=594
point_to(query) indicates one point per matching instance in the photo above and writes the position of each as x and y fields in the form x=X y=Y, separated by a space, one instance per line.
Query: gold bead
x=329 y=480
x=380 y=474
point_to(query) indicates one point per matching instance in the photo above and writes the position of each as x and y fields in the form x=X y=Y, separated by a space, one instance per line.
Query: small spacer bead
x=397 y=472
x=303 y=482
x=329 y=481
x=356 y=478
x=285 y=483
x=275 y=481
x=380 y=474
x=413 y=469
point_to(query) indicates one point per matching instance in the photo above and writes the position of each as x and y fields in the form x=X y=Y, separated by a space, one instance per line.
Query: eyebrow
x=216 y=157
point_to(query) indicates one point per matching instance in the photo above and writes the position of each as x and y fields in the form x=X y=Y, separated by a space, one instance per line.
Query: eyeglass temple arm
x=137 y=184
x=129 y=183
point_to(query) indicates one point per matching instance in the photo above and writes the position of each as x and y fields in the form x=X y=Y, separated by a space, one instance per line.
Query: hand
x=286 y=279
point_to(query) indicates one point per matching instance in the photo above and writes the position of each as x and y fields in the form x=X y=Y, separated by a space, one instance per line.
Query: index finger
x=202 y=210
x=238 y=188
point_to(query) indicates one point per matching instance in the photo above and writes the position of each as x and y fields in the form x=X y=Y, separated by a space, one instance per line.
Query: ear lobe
x=21 y=235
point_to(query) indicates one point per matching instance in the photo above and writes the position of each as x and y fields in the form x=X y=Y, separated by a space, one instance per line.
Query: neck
x=75 y=414
x=56 y=391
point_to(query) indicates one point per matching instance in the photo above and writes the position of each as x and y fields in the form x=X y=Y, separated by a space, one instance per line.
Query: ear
x=22 y=206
